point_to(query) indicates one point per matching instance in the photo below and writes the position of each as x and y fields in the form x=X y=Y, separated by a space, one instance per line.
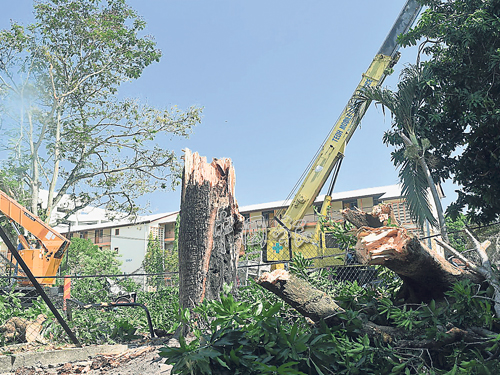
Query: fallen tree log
x=298 y=293
x=210 y=229
x=425 y=273
x=434 y=330
x=17 y=329
x=317 y=305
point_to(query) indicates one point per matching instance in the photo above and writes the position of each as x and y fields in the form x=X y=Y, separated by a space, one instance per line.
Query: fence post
x=66 y=292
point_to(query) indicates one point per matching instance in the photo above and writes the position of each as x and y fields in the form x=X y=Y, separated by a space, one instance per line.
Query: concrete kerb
x=9 y=363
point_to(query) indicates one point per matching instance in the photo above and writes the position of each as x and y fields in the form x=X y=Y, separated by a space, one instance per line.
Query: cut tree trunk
x=425 y=273
x=380 y=216
x=301 y=295
x=317 y=305
x=210 y=229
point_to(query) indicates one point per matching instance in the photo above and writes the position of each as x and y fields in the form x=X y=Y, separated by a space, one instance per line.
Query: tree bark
x=210 y=229
x=298 y=293
x=380 y=216
x=426 y=274
x=317 y=305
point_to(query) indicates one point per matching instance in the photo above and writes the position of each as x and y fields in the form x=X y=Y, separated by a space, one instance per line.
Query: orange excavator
x=44 y=256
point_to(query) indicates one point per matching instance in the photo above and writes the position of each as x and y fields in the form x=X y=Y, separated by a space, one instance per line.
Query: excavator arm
x=43 y=260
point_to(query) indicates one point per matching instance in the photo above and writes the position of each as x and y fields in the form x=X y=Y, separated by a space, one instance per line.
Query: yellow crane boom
x=332 y=150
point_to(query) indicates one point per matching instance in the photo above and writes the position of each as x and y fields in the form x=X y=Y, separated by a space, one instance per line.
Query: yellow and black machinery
x=43 y=256
x=288 y=237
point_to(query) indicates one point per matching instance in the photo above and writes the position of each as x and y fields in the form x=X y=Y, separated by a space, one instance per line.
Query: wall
x=131 y=244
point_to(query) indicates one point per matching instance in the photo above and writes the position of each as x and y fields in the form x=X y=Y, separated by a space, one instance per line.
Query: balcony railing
x=102 y=239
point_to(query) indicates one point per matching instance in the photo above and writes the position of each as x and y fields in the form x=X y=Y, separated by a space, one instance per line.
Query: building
x=129 y=238
x=325 y=252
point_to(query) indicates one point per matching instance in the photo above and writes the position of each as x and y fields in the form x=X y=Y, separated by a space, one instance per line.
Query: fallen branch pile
x=425 y=273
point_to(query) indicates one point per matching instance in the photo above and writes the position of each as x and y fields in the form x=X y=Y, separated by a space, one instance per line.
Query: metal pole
x=38 y=287
x=289 y=234
x=67 y=251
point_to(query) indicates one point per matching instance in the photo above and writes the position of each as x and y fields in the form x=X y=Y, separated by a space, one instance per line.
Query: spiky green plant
x=414 y=152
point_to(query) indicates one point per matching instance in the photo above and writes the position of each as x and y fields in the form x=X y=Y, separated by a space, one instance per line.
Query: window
x=268 y=218
x=98 y=236
x=117 y=232
x=401 y=212
x=158 y=234
x=353 y=203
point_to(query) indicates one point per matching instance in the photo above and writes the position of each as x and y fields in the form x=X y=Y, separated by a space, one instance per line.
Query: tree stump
x=210 y=229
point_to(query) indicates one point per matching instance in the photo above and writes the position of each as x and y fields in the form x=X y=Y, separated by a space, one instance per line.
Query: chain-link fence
x=97 y=308
x=269 y=244
x=109 y=308
x=115 y=308
x=463 y=243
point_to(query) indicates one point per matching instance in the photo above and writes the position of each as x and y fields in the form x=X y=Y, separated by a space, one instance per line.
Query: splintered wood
x=105 y=362
x=210 y=229
x=376 y=245
x=380 y=216
x=198 y=171
x=426 y=274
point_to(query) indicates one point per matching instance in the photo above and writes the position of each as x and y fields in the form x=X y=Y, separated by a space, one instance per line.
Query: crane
x=286 y=238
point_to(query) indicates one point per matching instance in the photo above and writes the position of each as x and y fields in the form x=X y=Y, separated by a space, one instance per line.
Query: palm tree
x=412 y=158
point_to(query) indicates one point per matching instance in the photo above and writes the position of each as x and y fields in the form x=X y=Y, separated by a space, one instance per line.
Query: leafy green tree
x=83 y=258
x=458 y=240
x=154 y=260
x=172 y=255
x=161 y=261
x=462 y=109
x=413 y=153
x=66 y=128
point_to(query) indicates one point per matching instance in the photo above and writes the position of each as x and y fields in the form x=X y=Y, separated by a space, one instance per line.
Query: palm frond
x=404 y=105
x=381 y=96
x=415 y=190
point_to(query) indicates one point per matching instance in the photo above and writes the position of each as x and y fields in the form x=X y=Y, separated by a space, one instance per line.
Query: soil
x=143 y=359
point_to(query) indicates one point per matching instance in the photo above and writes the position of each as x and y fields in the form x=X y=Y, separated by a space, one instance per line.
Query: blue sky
x=273 y=77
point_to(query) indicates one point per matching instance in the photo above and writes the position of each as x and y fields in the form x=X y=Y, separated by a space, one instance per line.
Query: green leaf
x=453 y=371
x=222 y=363
x=317 y=338
x=366 y=341
x=317 y=368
